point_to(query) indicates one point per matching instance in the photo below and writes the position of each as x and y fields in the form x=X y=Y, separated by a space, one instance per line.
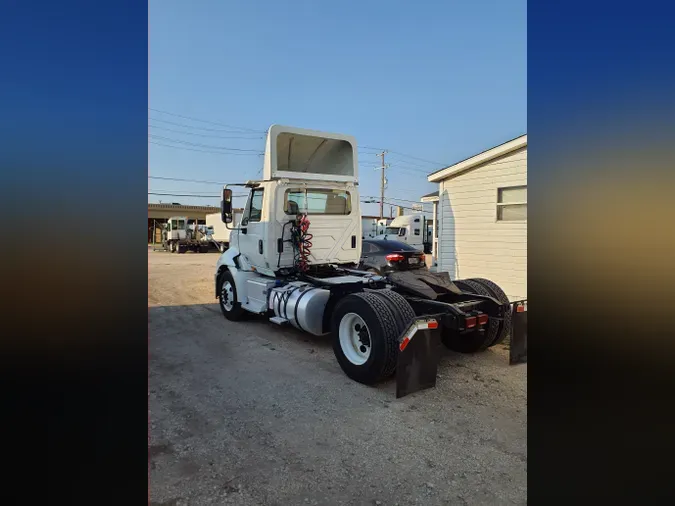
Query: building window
x=512 y=203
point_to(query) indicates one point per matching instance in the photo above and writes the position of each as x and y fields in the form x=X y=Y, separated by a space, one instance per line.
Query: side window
x=417 y=231
x=254 y=211
x=365 y=248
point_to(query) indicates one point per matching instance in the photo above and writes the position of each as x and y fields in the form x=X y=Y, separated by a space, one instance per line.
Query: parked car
x=384 y=255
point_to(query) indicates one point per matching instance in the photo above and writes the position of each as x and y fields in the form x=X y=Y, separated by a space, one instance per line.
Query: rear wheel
x=474 y=341
x=403 y=311
x=365 y=337
x=229 y=303
x=504 y=326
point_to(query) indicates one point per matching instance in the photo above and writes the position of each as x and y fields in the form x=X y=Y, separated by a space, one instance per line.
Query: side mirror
x=226 y=206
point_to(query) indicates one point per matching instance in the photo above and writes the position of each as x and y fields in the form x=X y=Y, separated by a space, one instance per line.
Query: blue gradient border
x=601 y=121
x=73 y=102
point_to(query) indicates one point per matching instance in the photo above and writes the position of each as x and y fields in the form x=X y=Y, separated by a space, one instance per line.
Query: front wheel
x=365 y=337
x=229 y=303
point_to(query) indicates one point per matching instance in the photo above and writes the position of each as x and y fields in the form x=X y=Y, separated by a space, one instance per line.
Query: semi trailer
x=293 y=258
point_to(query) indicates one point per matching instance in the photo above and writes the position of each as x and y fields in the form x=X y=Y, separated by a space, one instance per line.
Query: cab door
x=251 y=231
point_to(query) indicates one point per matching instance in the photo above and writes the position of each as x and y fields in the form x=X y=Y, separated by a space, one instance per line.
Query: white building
x=482 y=217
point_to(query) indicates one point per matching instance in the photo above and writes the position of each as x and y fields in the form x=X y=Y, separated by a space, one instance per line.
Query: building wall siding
x=472 y=242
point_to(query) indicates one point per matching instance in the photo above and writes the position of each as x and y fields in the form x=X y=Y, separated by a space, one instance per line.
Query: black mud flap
x=419 y=352
x=518 y=346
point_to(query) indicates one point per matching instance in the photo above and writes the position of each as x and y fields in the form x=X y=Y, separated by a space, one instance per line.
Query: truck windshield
x=391 y=230
x=317 y=202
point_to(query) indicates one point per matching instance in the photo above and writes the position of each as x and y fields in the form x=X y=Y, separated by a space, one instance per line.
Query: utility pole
x=382 y=184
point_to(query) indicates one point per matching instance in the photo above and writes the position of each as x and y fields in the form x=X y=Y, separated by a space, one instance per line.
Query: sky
x=431 y=82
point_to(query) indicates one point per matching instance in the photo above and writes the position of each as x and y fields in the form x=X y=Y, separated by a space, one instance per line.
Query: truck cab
x=305 y=173
x=176 y=228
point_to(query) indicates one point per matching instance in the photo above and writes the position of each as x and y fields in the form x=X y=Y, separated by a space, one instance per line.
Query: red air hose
x=304 y=246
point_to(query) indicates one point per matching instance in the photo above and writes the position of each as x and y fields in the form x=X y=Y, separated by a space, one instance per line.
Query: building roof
x=479 y=159
x=430 y=197
x=180 y=207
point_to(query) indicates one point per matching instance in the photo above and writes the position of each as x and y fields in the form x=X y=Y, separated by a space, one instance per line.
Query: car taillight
x=470 y=322
x=482 y=319
x=394 y=257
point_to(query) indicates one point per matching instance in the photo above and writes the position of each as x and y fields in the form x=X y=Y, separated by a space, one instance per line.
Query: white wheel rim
x=355 y=338
x=227 y=296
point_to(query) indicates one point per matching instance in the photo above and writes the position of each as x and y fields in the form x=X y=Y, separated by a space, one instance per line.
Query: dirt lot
x=255 y=414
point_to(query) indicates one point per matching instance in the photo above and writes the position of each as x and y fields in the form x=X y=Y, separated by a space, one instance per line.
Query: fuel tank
x=302 y=304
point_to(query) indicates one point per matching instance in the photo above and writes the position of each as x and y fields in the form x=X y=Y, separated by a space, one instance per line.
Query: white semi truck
x=412 y=229
x=292 y=257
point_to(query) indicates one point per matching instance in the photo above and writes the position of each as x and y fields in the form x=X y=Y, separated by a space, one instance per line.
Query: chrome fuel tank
x=302 y=304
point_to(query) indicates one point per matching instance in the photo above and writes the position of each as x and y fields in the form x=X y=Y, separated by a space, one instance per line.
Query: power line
x=204 y=135
x=438 y=164
x=195 y=127
x=202 y=150
x=193 y=195
x=404 y=207
x=206 y=121
x=183 y=195
x=408 y=169
x=405 y=155
x=168 y=192
x=186 y=180
x=404 y=200
x=169 y=139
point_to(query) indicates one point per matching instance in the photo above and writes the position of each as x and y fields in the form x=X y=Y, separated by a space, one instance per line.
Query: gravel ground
x=251 y=413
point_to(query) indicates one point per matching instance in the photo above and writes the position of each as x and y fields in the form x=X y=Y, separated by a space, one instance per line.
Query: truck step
x=278 y=320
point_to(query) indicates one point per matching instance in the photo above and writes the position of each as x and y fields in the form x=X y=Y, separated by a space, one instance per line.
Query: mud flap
x=419 y=352
x=518 y=346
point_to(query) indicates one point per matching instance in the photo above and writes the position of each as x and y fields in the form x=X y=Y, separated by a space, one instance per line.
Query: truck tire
x=504 y=326
x=403 y=311
x=229 y=304
x=365 y=337
x=475 y=341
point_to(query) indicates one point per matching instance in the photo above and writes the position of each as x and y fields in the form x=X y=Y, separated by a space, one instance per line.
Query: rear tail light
x=482 y=319
x=470 y=322
x=394 y=257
